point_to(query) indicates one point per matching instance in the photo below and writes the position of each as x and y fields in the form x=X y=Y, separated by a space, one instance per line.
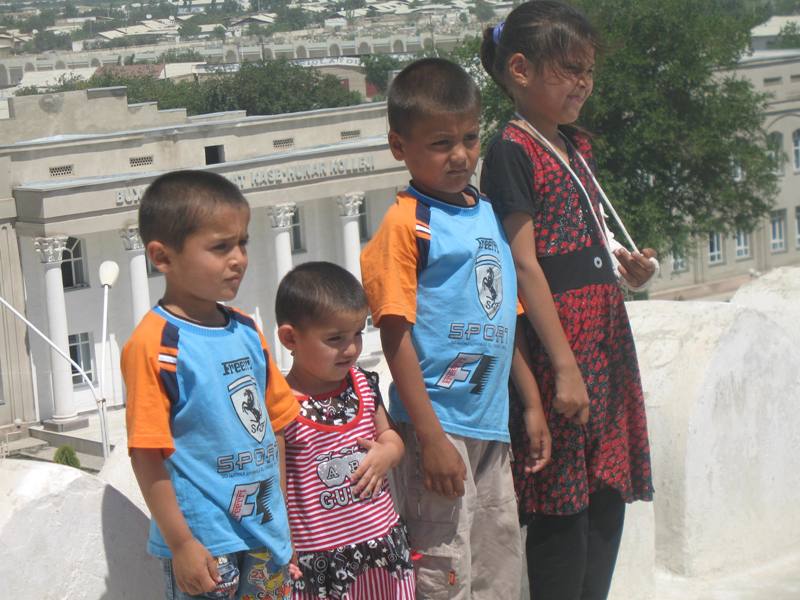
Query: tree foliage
x=66 y=455
x=670 y=119
x=262 y=88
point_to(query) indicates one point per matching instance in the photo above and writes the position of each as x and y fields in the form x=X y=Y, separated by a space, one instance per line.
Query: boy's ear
x=287 y=336
x=396 y=145
x=160 y=255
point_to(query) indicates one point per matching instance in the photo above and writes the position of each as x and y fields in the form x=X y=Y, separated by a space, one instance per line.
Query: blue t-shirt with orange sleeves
x=210 y=399
x=448 y=271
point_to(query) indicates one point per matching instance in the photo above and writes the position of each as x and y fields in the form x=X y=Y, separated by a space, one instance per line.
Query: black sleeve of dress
x=507 y=178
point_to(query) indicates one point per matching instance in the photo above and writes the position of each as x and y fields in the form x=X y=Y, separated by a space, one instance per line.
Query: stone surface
x=69 y=535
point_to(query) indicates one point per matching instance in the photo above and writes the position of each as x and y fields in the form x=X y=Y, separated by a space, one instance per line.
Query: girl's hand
x=540 y=441
x=369 y=476
x=636 y=268
x=195 y=568
x=571 y=399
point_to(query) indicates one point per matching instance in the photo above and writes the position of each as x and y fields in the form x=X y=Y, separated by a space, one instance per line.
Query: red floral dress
x=612 y=450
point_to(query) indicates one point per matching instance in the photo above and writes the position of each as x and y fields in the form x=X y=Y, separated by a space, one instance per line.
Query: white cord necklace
x=528 y=126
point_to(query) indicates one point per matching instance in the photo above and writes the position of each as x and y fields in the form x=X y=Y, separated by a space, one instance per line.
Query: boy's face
x=325 y=351
x=212 y=262
x=441 y=152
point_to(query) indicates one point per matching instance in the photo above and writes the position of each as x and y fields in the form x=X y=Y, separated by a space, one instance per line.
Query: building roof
x=773 y=26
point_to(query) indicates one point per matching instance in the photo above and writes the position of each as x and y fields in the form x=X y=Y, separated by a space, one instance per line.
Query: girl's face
x=552 y=95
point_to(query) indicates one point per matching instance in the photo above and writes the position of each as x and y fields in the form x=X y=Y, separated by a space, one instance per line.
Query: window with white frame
x=297 y=232
x=73 y=265
x=742 y=244
x=80 y=351
x=715 y=255
x=797 y=226
x=777 y=221
x=775 y=149
x=796 y=149
x=679 y=264
x=363 y=224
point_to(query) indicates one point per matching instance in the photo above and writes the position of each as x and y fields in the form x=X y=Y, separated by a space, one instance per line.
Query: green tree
x=262 y=88
x=483 y=11
x=671 y=119
x=189 y=29
x=789 y=36
x=66 y=455
x=377 y=68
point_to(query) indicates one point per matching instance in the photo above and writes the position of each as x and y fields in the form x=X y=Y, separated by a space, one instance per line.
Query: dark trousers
x=572 y=557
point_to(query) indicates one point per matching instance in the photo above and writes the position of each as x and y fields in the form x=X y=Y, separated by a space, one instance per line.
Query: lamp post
x=109 y=271
x=108 y=276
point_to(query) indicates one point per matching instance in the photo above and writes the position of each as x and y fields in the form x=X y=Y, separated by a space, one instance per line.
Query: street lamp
x=109 y=271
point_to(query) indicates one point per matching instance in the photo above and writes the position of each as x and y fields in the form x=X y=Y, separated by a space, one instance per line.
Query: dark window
x=215 y=154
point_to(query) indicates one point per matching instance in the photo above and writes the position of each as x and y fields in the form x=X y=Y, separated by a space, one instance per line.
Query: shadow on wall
x=131 y=572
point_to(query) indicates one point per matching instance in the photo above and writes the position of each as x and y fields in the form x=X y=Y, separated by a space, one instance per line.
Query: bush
x=65 y=455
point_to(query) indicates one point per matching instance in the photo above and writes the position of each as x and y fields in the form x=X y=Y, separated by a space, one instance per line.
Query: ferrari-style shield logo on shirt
x=249 y=406
x=489 y=279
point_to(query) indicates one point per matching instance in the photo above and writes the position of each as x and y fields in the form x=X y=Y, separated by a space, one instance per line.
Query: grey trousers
x=470 y=547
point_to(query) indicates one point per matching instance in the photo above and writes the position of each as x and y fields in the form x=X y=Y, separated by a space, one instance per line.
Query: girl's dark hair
x=546 y=32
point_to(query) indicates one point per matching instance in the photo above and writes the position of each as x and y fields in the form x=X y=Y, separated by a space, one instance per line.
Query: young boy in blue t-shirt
x=441 y=285
x=206 y=405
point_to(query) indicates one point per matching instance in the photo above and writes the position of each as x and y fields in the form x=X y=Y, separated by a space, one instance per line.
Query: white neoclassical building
x=318 y=183
x=74 y=165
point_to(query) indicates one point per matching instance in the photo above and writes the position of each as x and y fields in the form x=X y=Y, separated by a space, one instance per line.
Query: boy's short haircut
x=428 y=87
x=175 y=205
x=315 y=291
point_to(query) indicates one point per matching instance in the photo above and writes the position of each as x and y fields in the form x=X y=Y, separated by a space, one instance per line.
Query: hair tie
x=497 y=31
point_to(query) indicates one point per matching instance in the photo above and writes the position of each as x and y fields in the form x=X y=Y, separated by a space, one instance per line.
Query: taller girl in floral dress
x=537 y=173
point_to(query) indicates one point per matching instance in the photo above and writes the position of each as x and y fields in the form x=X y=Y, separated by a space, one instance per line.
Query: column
x=64 y=412
x=281 y=216
x=137 y=266
x=349 y=210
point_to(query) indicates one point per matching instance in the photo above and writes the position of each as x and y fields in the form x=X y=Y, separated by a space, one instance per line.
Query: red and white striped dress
x=328 y=521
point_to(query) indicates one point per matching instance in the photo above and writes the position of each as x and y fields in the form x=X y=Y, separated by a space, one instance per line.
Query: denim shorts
x=258 y=578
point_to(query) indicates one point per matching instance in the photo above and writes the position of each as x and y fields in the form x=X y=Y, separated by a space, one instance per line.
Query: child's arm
x=195 y=568
x=535 y=420
x=571 y=398
x=442 y=467
x=280 y=439
x=383 y=453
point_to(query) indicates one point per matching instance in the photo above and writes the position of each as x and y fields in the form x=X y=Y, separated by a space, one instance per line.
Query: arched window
x=73 y=265
x=775 y=149
x=796 y=149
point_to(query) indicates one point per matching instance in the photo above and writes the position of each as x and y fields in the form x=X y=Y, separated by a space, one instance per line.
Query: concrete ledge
x=69 y=425
x=56 y=439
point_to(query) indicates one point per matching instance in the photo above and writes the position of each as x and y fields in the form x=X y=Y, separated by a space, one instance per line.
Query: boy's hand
x=636 y=268
x=195 y=568
x=372 y=470
x=294 y=570
x=571 y=399
x=540 y=441
x=442 y=467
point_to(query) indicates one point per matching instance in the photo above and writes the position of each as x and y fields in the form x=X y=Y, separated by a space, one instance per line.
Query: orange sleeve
x=147 y=413
x=282 y=406
x=389 y=263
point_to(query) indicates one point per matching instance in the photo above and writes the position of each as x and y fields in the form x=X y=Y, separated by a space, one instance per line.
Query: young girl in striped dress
x=348 y=539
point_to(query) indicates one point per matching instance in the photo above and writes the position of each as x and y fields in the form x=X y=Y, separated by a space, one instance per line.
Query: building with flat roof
x=72 y=170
